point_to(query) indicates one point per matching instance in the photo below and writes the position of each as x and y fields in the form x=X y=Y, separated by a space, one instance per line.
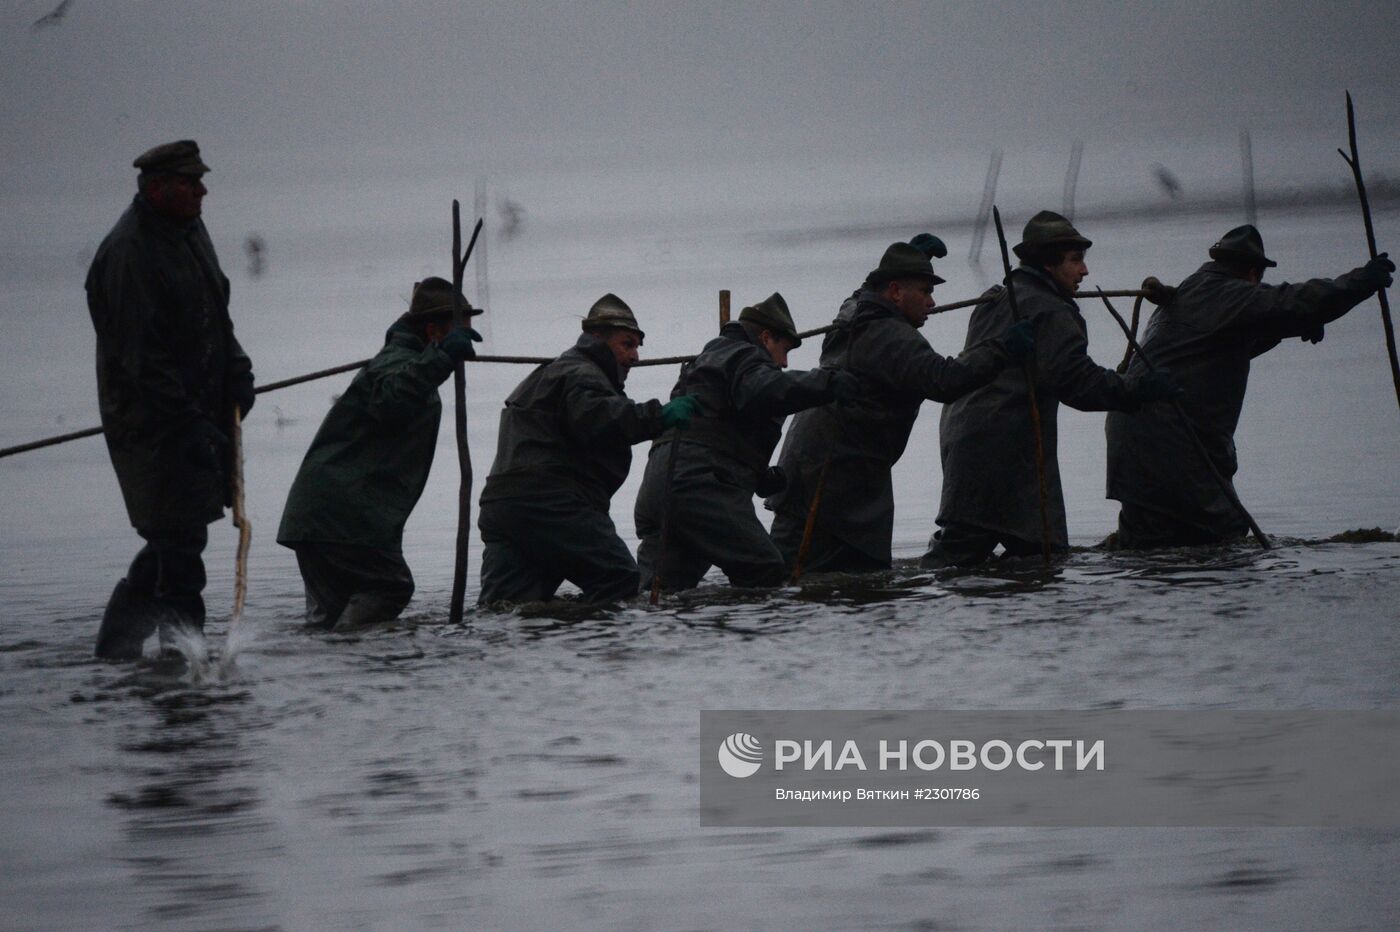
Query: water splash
x=202 y=667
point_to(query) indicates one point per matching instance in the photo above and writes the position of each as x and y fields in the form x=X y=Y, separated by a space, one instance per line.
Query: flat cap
x=172 y=158
x=432 y=302
x=1242 y=244
x=772 y=314
x=611 y=311
x=903 y=260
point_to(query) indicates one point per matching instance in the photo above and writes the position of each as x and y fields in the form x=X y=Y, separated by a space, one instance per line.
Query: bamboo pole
x=1354 y=160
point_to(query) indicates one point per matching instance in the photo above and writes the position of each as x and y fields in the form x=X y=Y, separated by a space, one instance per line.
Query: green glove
x=458 y=343
x=678 y=411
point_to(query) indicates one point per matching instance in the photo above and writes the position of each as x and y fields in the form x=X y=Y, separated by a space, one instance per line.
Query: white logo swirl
x=741 y=755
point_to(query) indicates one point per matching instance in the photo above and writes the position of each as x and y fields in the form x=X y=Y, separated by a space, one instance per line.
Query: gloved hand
x=204 y=446
x=845 y=386
x=458 y=343
x=1313 y=336
x=1158 y=385
x=1379 y=270
x=774 y=480
x=678 y=411
x=240 y=393
x=1019 y=341
x=929 y=245
x=1157 y=292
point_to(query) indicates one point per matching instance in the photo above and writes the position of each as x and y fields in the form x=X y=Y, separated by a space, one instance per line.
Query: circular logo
x=740 y=755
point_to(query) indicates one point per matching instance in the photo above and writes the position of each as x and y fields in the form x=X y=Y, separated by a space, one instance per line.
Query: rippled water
x=539 y=769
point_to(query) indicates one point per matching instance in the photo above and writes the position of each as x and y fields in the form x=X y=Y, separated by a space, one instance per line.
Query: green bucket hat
x=432 y=302
x=772 y=314
x=172 y=158
x=611 y=311
x=1242 y=244
x=1048 y=228
x=903 y=260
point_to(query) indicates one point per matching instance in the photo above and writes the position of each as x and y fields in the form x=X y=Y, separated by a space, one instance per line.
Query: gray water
x=538 y=769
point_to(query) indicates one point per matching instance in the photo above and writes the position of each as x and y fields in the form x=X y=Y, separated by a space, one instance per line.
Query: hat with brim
x=1048 y=229
x=772 y=314
x=902 y=260
x=1242 y=245
x=611 y=311
x=432 y=303
x=172 y=158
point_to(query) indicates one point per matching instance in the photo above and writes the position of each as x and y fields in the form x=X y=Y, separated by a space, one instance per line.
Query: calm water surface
x=530 y=771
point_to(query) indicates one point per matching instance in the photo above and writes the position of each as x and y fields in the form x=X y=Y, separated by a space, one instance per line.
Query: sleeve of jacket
x=593 y=411
x=1062 y=358
x=909 y=363
x=758 y=387
x=137 y=341
x=1278 y=312
x=400 y=387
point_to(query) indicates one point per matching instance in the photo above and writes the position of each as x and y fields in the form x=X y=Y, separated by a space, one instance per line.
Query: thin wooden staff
x=1029 y=369
x=459 y=390
x=240 y=521
x=517 y=360
x=1354 y=160
x=1190 y=429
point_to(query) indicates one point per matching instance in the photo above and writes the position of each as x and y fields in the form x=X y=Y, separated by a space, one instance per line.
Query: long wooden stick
x=464 y=455
x=1354 y=160
x=1029 y=369
x=810 y=526
x=515 y=360
x=240 y=521
x=1220 y=479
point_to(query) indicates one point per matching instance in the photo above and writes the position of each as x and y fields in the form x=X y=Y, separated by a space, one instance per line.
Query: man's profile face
x=178 y=197
x=624 y=344
x=913 y=298
x=778 y=347
x=1070 y=271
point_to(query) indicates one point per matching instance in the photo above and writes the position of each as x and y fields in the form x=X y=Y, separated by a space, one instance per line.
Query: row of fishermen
x=170 y=370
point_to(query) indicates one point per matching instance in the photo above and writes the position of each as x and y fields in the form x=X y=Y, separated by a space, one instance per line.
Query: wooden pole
x=240 y=521
x=459 y=390
x=1220 y=479
x=1354 y=160
x=723 y=306
x=1029 y=369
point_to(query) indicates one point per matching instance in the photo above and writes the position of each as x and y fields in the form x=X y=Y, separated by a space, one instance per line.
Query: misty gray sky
x=329 y=87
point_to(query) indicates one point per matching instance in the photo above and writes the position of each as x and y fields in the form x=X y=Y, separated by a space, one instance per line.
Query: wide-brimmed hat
x=1048 y=228
x=432 y=302
x=1243 y=244
x=611 y=311
x=902 y=260
x=772 y=314
x=172 y=158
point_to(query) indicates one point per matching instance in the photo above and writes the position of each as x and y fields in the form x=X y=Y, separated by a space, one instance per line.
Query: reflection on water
x=538 y=768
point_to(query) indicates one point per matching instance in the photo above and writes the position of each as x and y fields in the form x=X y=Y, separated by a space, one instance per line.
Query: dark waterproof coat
x=368 y=465
x=1207 y=336
x=898 y=371
x=569 y=426
x=166 y=359
x=987 y=446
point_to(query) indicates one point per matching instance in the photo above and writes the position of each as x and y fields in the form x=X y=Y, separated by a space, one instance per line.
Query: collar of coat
x=870 y=306
x=600 y=354
x=1037 y=274
x=736 y=331
x=401 y=334
x=154 y=220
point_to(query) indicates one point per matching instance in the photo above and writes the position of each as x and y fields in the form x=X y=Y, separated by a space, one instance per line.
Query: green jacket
x=369 y=462
x=166 y=359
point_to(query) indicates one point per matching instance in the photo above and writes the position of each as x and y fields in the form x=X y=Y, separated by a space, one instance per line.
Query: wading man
x=169 y=373
x=991 y=493
x=705 y=499
x=564 y=448
x=848 y=451
x=368 y=465
x=1221 y=317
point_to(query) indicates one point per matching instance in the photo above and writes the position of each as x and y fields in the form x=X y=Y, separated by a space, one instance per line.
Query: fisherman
x=169 y=374
x=367 y=467
x=565 y=445
x=1221 y=317
x=991 y=492
x=700 y=481
x=845 y=454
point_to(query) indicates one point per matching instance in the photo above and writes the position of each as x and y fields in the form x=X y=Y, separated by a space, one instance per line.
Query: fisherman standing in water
x=700 y=481
x=991 y=494
x=1221 y=317
x=564 y=447
x=169 y=373
x=368 y=465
